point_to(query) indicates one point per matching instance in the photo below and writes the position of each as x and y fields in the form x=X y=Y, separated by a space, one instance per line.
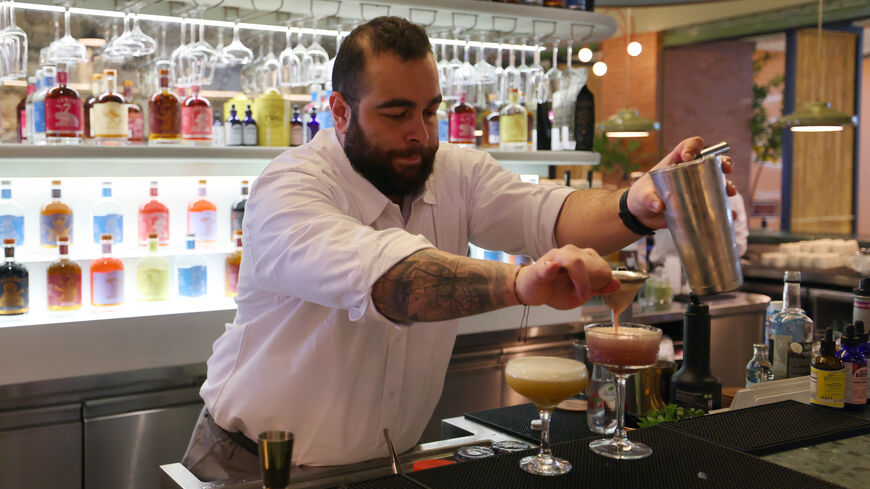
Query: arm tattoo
x=432 y=285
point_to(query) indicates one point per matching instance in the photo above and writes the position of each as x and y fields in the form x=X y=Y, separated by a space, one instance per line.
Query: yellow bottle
x=272 y=113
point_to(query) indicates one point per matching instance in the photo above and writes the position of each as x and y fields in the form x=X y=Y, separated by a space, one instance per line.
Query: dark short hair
x=382 y=34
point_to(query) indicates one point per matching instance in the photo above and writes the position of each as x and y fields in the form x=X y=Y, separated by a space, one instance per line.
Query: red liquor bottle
x=153 y=218
x=196 y=119
x=21 y=111
x=462 y=122
x=135 y=117
x=164 y=113
x=63 y=111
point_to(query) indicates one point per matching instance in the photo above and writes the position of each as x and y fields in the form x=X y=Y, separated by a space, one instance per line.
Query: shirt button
x=391 y=395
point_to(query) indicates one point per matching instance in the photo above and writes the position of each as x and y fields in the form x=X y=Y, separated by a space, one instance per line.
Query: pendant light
x=817 y=116
x=627 y=123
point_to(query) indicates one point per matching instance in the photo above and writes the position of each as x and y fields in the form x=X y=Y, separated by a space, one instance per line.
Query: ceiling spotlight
x=584 y=55
x=634 y=48
x=599 y=68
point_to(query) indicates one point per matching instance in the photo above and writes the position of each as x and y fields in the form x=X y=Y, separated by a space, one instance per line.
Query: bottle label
x=107 y=288
x=462 y=127
x=443 y=130
x=697 y=400
x=39 y=116
x=136 y=127
x=63 y=114
x=236 y=220
x=53 y=226
x=493 y=128
x=154 y=222
x=65 y=290
x=192 y=281
x=12 y=227
x=163 y=121
x=232 y=280
x=790 y=358
x=22 y=129
x=827 y=387
x=196 y=122
x=856 y=383
x=249 y=135
x=513 y=128
x=13 y=295
x=234 y=135
x=297 y=135
x=109 y=120
x=109 y=224
x=203 y=224
x=152 y=283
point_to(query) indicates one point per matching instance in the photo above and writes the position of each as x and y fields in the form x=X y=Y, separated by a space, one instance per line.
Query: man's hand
x=565 y=278
x=645 y=203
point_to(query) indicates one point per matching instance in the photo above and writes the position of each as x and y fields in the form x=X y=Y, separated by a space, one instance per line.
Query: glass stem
x=66 y=22
x=545 y=433
x=619 y=437
x=236 y=34
x=11 y=15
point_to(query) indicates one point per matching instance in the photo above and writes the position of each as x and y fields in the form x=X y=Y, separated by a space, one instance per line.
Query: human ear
x=341 y=112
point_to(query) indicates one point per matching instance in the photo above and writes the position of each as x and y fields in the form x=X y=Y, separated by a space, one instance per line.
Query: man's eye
x=395 y=115
x=430 y=113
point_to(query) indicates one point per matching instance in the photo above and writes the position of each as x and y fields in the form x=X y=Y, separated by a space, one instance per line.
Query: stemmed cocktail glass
x=546 y=381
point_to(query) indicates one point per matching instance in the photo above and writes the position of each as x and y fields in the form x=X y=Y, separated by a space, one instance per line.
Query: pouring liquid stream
x=619 y=301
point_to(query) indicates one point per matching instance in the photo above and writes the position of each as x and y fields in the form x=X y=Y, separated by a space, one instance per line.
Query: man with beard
x=354 y=270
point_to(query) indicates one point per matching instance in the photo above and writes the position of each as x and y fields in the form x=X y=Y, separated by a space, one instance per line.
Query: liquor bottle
x=861 y=302
x=513 y=125
x=196 y=119
x=107 y=216
x=854 y=368
x=297 y=129
x=791 y=333
x=28 y=108
x=191 y=271
x=554 y=3
x=235 y=128
x=135 y=116
x=63 y=111
x=237 y=211
x=584 y=120
x=217 y=129
x=153 y=218
x=107 y=277
x=312 y=127
x=827 y=375
x=443 y=123
x=88 y=104
x=490 y=124
x=109 y=114
x=272 y=119
x=249 y=129
x=11 y=215
x=64 y=280
x=202 y=217
x=232 y=263
x=55 y=219
x=48 y=81
x=531 y=133
x=693 y=385
x=164 y=113
x=14 y=286
x=759 y=369
x=21 y=112
x=152 y=274
x=462 y=120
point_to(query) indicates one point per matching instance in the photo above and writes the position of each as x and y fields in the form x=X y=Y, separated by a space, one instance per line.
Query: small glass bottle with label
x=96 y=90
x=14 y=283
x=63 y=111
x=827 y=375
x=11 y=215
x=28 y=109
x=237 y=211
x=64 y=280
x=110 y=114
x=196 y=119
x=202 y=217
x=759 y=369
x=249 y=129
x=152 y=274
x=513 y=125
x=462 y=121
x=231 y=266
x=49 y=75
x=21 y=112
x=854 y=368
x=191 y=271
x=234 y=128
x=107 y=278
x=164 y=113
x=135 y=116
x=791 y=332
x=107 y=216
x=153 y=218
x=55 y=219
x=297 y=128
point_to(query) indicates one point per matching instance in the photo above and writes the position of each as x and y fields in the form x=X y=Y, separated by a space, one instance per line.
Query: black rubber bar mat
x=776 y=427
x=678 y=462
x=516 y=421
x=391 y=482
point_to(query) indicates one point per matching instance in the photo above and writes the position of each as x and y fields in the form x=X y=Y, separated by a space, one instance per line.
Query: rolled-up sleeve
x=302 y=245
x=510 y=215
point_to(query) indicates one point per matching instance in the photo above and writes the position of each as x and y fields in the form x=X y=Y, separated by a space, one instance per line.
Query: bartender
x=354 y=270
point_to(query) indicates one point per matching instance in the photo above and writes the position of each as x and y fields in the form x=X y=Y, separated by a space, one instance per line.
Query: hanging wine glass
x=149 y=45
x=177 y=59
x=15 y=40
x=202 y=57
x=146 y=72
x=268 y=72
x=465 y=79
x=319 y=58
x=248 y=74
x=290 y=66
x=485 y=72
x=510 y=77
x=67 y=49
x=304 y=59
x=114 y=52
x=331 y=63
x=538 y=88
x=236 y=53
x=126 y=41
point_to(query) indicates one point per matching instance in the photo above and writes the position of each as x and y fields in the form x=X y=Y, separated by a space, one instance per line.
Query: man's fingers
x=727 y=164
x=691 y=148
x=610 y=288
x=730 y=189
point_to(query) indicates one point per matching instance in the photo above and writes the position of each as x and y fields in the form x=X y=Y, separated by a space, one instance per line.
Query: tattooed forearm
x=432 y=285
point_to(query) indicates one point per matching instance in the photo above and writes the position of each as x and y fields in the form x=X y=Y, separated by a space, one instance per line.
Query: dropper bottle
x=827 y=376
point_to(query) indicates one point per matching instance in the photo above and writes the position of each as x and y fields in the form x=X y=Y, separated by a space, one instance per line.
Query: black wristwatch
x=628 y=219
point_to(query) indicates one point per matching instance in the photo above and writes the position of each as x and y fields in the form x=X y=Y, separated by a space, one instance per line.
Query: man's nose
x=417 y=131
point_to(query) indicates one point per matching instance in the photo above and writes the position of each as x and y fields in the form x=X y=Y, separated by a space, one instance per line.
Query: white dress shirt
x=308 y=351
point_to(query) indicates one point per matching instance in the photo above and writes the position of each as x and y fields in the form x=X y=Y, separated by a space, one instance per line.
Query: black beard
x=376 y=165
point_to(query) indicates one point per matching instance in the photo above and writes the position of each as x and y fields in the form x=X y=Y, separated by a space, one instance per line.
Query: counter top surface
x=845 y=462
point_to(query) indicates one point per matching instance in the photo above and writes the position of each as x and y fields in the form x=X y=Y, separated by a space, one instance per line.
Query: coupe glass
x=13 y=41
x=623 y=350
x=149 y=45
x=236 y=53
x=546 y=381
x=127 y=42
x=67 y=49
